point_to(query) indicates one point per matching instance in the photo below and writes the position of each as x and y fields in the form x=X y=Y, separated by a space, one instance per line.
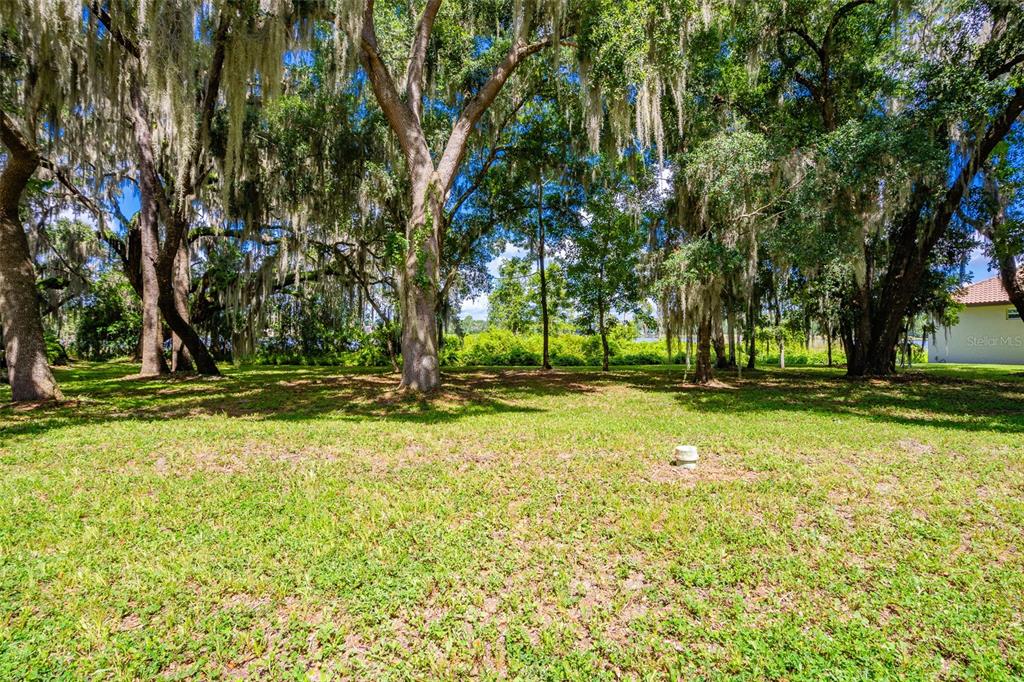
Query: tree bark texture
x=24 y=345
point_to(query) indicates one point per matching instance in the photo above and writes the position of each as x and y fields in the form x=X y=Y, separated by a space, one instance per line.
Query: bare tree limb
x=120 y=38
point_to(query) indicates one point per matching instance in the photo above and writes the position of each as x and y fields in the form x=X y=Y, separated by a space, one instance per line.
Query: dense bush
x=797 y=356
x=502 y=348
x=109 y=319
x=56 y=354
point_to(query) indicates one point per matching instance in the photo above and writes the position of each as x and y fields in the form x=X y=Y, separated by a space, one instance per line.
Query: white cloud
x=476 y=307
x=978 y=265
x=510 y=252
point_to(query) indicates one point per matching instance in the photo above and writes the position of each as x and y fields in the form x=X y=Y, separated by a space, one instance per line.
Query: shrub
x=499 y=347
x=56 y=354
x=109 y=319
x=450 y=349
x=502 y=348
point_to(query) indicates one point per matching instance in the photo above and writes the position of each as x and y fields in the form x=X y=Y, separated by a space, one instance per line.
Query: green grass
x=285 y=523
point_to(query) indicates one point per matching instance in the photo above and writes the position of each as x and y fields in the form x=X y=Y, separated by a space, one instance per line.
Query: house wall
x=983 y=335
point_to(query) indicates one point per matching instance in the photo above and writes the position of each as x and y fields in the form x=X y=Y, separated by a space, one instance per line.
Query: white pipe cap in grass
x=685 y=456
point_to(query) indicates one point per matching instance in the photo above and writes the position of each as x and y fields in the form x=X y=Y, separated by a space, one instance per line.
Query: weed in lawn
x=286 y=521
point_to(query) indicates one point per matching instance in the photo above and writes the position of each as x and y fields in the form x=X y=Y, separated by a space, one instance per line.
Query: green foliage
x=602 y=268
x=56 y=354
x=375 y=348
x=307 y=327
x=109 y=319
x=699 y=261
x=512 y=304
x=500 y=347
x=470 y=325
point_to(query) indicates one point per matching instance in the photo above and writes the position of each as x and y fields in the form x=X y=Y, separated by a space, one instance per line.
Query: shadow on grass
x=98 y=393
x=963 y=399
x=959 y=399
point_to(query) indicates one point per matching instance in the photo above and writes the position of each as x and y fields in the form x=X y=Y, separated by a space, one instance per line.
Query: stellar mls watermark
x=991 y=341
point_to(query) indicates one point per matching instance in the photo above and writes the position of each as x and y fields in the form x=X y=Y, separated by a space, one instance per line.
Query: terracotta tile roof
x=987 y=291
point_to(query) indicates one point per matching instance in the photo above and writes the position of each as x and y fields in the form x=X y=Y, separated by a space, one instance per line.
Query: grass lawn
x=287 y=523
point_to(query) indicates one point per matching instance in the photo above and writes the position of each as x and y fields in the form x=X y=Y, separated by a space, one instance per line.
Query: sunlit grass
x=286 y=522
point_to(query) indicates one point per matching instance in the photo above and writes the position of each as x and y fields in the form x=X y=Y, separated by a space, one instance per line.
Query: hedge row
x=499 y=347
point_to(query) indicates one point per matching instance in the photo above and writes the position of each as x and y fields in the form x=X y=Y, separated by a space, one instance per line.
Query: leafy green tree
x=996 y=210
x=604 y=257
x=27 y=50
x=897 y=141
x=512 y=303
x=722 y=208
x=535 y=195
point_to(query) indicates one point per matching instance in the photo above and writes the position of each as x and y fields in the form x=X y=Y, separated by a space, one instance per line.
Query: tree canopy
x=312 y=178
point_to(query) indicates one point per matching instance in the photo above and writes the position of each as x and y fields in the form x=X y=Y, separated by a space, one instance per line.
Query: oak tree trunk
x=732 y=336
x=419 y=285
x=667 y=325
x=702 y=370
x=546 y=359
x=158 y=263
x=181 y=361
x=204 y=362
x=25 y=348
x=721 y=360
x=153 y=362
x=751 y=334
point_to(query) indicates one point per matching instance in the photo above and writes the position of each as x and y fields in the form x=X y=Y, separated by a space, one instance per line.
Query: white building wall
x=983 y=335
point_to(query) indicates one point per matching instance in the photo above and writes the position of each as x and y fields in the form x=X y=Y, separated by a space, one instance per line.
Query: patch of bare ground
x=27 y=407
x=172 y=378
x=207 y=461
x=243 y=600
x=178 y=670
x=129 y=622
x=915 y=447
x=706 y=471
x=716 y=384
x=767 y=601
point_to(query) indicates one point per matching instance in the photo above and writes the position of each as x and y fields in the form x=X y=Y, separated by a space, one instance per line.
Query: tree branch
x=838 y=16
x=999 y=128
x=415 y=73
x=87 y=202
x=1006 y=67
x=120 y=38
x=12 y=138
x=802 y=33
x=400 y=117
x=492 y=156
x=456 y=147
x=209 y=100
